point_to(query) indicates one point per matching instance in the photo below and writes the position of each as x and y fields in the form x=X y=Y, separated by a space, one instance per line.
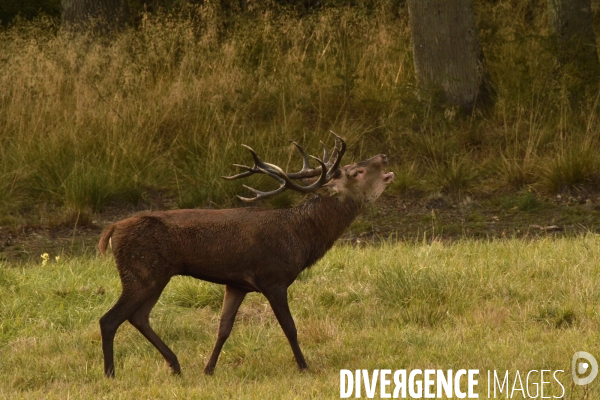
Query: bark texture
x=100 y=15
x=571 y=22
x=447 y=53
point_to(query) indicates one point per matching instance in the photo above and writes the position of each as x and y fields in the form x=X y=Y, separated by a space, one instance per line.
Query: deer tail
x=105 y=238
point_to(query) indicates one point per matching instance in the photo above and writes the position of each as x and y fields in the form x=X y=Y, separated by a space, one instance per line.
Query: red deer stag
x=245 y=249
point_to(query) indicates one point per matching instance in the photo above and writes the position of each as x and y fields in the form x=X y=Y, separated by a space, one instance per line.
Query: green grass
x=499 y=305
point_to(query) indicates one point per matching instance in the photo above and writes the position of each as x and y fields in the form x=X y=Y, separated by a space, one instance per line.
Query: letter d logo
x=580 y=368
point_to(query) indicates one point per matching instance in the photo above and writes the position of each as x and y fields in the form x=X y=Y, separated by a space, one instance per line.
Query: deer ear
x=330 y=189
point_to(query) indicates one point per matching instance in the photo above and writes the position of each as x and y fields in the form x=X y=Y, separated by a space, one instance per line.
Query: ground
x=407 y=216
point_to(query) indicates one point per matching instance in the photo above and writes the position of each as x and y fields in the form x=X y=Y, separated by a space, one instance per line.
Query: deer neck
x=322 y=221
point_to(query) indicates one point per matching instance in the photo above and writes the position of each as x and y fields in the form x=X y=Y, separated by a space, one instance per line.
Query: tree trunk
x=571 y=22
x=99 y=15
x=447 y=54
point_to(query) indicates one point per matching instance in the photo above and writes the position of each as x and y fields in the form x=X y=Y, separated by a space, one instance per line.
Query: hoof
x=175 y=370
x=209 y=371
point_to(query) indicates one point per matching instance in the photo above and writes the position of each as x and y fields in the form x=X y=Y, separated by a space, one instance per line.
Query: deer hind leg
x=132 y=299
x=231 y=303
x=140 y=319
x=279 y=303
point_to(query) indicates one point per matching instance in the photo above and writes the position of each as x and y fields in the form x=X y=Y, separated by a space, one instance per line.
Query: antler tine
x=338 y=139
x=339 y=143
x=314 y=186
x=305 y=162
x=258 y=163
x=323 y=179
x=258 y=167
x=334 y=154
x=325 y=152
x=341 y=149
x=259 y=194
x=306 y=171
x=330 y=165
x=249 y=171
x=238 y=176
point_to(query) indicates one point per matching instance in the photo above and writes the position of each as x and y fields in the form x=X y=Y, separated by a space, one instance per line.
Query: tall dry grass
x=87 y=120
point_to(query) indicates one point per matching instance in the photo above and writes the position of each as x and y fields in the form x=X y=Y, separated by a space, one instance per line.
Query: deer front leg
x=279 y=303
x=231 y=303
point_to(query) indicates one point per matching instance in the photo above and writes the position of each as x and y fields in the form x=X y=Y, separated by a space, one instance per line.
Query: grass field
x=488 y=305
x=94 y=127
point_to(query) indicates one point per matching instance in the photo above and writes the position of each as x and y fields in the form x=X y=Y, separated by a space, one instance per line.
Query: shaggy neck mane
x=325 y=219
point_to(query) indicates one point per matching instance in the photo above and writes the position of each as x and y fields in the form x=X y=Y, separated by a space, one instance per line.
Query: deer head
x=362 y=182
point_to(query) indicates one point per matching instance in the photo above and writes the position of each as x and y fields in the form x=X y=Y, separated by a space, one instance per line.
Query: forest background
x=100 y=120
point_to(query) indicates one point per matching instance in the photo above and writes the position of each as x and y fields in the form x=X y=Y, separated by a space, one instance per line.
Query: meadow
x=92 y=124
x=498 y=305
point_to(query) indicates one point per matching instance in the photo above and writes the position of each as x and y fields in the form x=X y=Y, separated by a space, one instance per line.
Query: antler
x=326 y=170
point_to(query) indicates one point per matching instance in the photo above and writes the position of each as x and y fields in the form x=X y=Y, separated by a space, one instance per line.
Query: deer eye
x=355 y=174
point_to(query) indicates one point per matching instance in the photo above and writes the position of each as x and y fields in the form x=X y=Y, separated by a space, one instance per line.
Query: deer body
x=240 y=246
x=246 y=249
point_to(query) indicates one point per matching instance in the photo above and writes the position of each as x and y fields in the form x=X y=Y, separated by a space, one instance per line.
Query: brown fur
x=246 y=249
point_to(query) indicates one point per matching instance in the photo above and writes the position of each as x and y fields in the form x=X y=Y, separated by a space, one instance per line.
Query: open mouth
x=388 y=178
